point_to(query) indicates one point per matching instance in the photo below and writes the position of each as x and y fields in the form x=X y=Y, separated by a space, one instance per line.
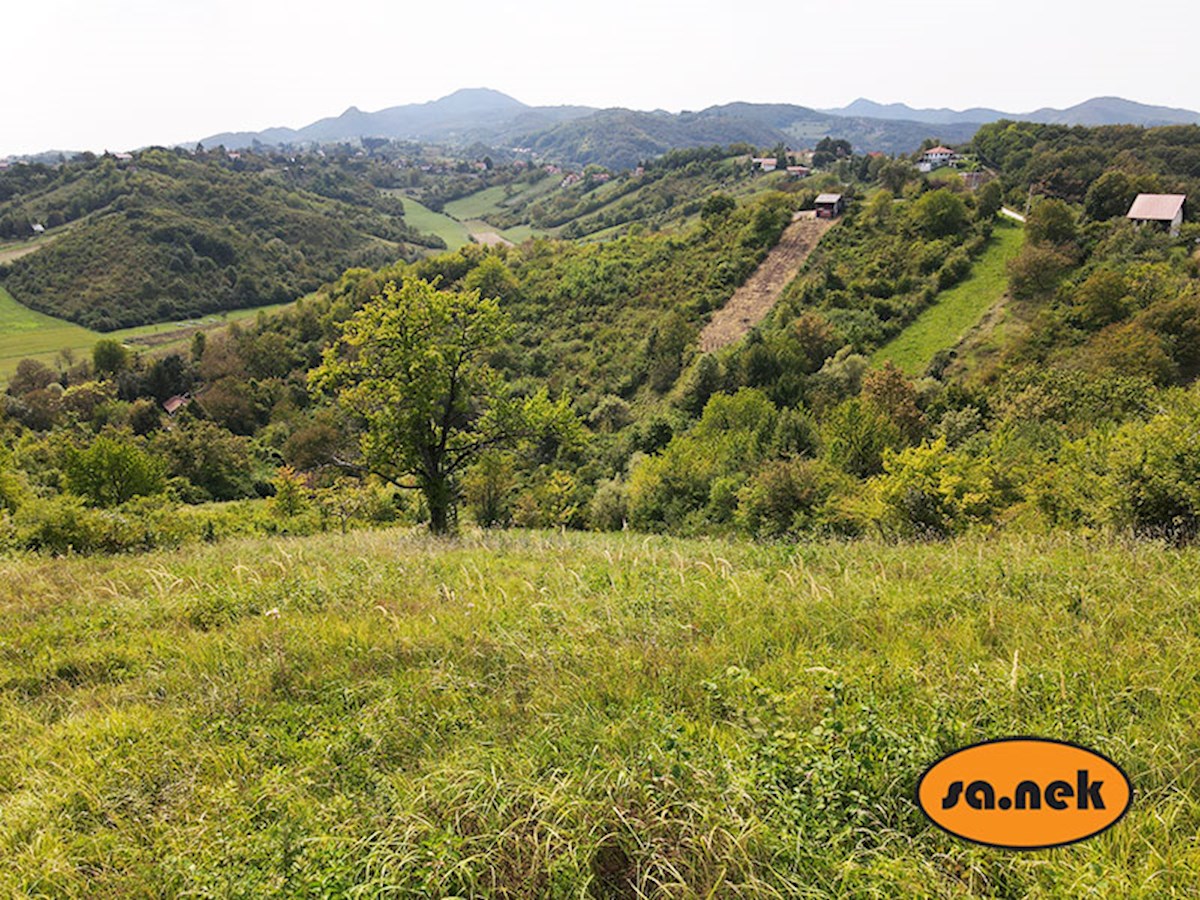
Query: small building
x=39 y=228
x=174 y=404
x=1164 y=210
x=766 y=163
x=829 y=206
x=798 y=171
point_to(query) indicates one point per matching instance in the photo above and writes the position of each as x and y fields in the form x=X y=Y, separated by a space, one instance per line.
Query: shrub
x=59 y=525
x=609 y=506
x=930 y=491
x=855 y=435
x=786 y=497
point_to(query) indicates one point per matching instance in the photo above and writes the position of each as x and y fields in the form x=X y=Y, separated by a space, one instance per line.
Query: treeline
x=1065 y=162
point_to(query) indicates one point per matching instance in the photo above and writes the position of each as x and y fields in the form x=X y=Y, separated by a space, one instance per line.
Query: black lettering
x=1088 y=791
x=1028 y=796
x=1055 y=790
x=981 y=796
x=951 y=798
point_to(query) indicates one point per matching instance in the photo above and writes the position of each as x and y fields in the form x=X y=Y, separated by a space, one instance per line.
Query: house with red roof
x=935 y=158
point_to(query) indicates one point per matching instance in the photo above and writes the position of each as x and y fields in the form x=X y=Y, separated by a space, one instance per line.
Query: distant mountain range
x=622 y=137
x=464 y=117
x=578 y=134
x=1094 y=112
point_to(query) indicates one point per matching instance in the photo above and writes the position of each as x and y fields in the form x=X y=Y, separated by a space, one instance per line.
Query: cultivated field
x=541 y=715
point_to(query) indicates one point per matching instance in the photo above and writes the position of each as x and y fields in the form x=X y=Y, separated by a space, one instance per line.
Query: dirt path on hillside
x=751 y=302
x=10 y=254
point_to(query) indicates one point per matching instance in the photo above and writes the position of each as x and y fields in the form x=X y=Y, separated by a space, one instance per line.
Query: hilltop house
x=766 y=163
x=829 y=206
x=1165 y=210
x=935 y=158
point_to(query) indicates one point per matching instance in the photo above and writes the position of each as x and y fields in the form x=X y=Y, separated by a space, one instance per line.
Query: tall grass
x=533 y=714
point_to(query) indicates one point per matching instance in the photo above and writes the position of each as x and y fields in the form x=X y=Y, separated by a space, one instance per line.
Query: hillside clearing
x=753 y=300
x=427 y=221
x=956 y=311
x=385 y=714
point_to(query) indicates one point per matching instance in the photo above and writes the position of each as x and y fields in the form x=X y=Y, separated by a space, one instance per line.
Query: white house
x=1163 y=209
x=936 y=157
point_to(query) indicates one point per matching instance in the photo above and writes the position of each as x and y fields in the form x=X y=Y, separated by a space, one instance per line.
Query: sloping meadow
x=561 y=715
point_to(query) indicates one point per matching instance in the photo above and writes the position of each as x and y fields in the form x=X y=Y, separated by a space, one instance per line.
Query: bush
x=930 y=491
x=1152 y=479
x=787 y=497
x=59 y=525
x=609 y=506
x=856 y=434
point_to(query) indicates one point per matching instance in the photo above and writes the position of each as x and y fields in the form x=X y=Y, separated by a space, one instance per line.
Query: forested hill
x=168 y=235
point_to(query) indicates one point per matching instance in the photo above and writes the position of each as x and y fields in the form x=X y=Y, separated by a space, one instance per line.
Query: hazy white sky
x=101 y=74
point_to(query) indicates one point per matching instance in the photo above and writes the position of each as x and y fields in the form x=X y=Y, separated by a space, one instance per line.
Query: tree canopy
x=411 y=367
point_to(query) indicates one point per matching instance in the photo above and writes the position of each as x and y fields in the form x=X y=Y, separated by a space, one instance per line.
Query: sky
x=100 y=74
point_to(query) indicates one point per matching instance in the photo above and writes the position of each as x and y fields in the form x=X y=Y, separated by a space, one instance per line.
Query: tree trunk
x=440 y=497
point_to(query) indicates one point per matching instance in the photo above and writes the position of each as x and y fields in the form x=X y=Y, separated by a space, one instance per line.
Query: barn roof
x=1156 y=207
x=829 y=198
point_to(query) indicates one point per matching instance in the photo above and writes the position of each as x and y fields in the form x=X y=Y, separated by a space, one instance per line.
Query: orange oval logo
x=1024 y=793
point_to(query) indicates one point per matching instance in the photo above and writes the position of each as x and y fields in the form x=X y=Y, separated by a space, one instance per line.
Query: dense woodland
x=1082 y=417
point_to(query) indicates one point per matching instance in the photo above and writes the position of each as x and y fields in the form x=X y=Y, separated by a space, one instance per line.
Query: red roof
x=1156 y=207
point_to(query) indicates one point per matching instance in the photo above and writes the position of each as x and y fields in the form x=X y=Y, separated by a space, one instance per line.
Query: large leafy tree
x=411 y=367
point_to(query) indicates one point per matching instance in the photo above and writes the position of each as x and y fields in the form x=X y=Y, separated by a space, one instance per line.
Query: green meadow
x=477 y=205
x=426 y=220
x=958 y=309
x=539 y=714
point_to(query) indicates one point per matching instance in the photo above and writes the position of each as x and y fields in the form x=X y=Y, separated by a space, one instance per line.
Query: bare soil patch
x=751 y=302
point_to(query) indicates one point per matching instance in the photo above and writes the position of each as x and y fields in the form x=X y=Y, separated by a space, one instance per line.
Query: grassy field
x=25 y=333
x=478 y=205
x=958 y=309
x=425 y=219
x=544 y=715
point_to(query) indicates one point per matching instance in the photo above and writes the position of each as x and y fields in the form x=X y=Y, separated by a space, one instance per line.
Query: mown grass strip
x=956 y=310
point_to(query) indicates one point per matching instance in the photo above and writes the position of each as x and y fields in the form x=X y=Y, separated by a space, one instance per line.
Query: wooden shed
x=829 y=206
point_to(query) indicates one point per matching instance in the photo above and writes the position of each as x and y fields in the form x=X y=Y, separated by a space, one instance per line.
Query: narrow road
x=751 y=302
